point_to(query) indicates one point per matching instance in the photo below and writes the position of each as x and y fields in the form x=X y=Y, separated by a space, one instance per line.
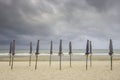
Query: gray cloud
x=75 y=20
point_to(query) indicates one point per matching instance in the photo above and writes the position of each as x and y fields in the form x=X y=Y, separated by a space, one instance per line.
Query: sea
x=65 y=51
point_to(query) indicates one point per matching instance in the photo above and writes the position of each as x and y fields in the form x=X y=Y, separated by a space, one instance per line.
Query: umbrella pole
x=70 y=60
x=12 y=62
x=60 y=61
x=91 y=60
x=86 y=61
x=50 y=60
x=36 y=62
x=111 y=62
x=30 y=60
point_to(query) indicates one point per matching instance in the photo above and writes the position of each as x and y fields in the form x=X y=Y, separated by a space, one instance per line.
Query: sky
x=69 y=20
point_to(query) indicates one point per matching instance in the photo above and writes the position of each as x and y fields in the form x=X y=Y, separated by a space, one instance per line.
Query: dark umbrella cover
x=110 y=48
x=13 y=48
x=70 y=47
x=87 y=48
x=30 y=47
x=37 y=48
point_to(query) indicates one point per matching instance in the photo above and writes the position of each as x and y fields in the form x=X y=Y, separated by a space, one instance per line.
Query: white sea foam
x=27 y=54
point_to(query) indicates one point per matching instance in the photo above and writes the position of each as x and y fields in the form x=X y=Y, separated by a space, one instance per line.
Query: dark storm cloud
x=75 y=20
x=12 y=24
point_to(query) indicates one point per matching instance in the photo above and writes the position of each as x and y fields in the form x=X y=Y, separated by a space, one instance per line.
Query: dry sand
x=99 y=71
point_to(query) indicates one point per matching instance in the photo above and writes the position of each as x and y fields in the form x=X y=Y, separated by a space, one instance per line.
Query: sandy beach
x=99 y=71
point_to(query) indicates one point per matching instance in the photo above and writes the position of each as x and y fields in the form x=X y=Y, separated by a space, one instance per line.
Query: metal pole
x=60 y=61
x=30 y=60
x=36 y=62
x=12 y=61
x=50 y=60
x=86 y=61
x=90 y=60
x=111 y=62
x=70 y=60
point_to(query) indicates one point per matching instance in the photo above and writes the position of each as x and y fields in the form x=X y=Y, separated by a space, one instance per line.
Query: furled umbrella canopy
x=70 y=47
x=37 y=48
x=60 y=47
x=13 y=48
x=87 y=48
x=51 y=47
x=30 y=47
x=90 y=47
x=10 y=51
x=110 y=48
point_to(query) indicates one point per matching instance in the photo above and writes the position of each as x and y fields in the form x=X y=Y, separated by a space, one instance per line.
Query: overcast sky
x=70 y=20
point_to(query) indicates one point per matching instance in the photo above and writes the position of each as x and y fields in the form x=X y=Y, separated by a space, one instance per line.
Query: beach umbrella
x=30 y=53
x=10 y=52
x=90 y=53
x=60 y=52
x=13 y=53
x=70 y=51
x=36 y=54
x=51 y=52
x=111 y=51
x=87 y=52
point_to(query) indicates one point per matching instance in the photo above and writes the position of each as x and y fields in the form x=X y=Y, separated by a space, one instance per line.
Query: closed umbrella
x=30 y=53
x=13 y=53
x=51 y=52
x=36 y=54
x=90 y=53
x=87 y=53
x=111 y=51
x=70 y=51
x=60 y=52
x=10 y=52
